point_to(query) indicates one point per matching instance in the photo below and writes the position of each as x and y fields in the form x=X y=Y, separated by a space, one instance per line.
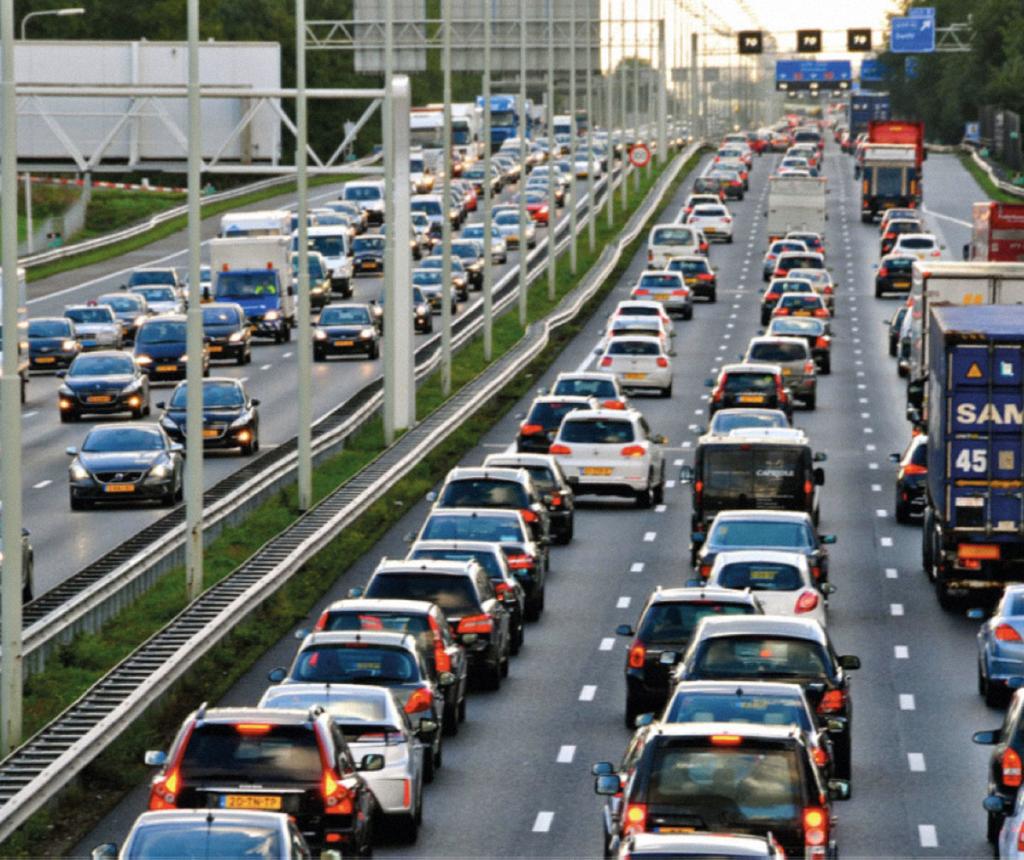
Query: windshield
x=90 y=315
x=766 y=533
x=215 y=840
x=112 y=439
x=246 y=284
x=223 y=753
x=709 y=212
x=221 y=316
x=455 y=595
x=672 y=236
x=673 y=623
x=102 y=365
x=503 y=118
x=223 y=394
x=483 y=493
x=157 y=294
x=801 y=262
x=916 y=242
x=777 y=351
x=161 y=331
x=345 y=315
x=354 y=664
x=123 y=304
x=427 y=207
x=755 y=656
x=49 y=328
x=760 y=576
x=431 y=278
x=903 y=265
x=727 y=420
x=329 y=246
x=599 y=388
x=707 y=707
x=598 y=431
x=465 y=249
x=363 y=244
x=155 y=277
x=507 y=219
x=363 y=192
x=668 y=281
x=502 y=529
x=801 y=301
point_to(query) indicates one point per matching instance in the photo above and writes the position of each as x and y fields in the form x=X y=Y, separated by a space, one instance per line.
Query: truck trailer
x=997 y=233
x=796 y=203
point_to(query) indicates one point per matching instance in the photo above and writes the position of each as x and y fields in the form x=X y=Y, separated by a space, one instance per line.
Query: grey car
x=793 y=355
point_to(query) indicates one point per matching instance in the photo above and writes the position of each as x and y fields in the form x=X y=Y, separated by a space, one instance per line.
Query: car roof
x=761 y=625
x=768 y=435
x=106 y=353
x=390 y=638
x=435 y=567
x=661 y=273
x=750 y=730
x=741 y=688
x=521 y=460
x=476 y=473
x=390 y=604
x=701 y=593
x=604 y=414
x=204 y=816
x=280 y=716
x=776 y=338
x=733 y=556
x=930 y=236
x=582 y=374
x=168 y=317
x=467 y=545
x=642 y=338
x=752 y=367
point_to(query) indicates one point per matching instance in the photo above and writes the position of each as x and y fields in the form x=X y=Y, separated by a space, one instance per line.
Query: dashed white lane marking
x=896 y=610
x=623 y=602
x=860 y=373
x=606 y=644
x=660 y=509
x=862 y=400
x=286 y=355
x=588 y=692
x=30 y=414
x=881 y=512
x=907 y=702
x=542 y=823
x=265 y=367
x=916 y=762
x=868 y=430
x=876 y=488
x=869 y=447
x=685 y=444
x=566 y=754
x=861 y=385
x=901 y=652
x=677 y=462
x=885 y=541
x=698 y=411
x=670 y=485
x=891 y=573
x=636 y=567
x=872 y=465
x=926 y=833
x=41 y=484
x=650 y=537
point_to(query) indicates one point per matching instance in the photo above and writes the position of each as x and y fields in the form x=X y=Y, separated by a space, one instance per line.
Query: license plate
x=211 y=434
x=369 y=265
x=690 y=281
x=343 y=343
x=709 y=229
x=636 y=376
x=166 y=368
x=802 y=314
x=900 y=284
x=251 y=801
x=602 y=471
x=787 y=371
x=216 y=348
x=751 y=398
x=45 y=359
x=676 y=830
x=661 y=297
x=98 y=398
x=119 y=488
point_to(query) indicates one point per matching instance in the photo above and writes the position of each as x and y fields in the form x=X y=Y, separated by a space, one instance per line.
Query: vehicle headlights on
x=69 y=345
x=422 y=310
x=320 y=334
x=160 y=470
x=144 y=359
x=79 y=472
x=366 y=333
x=270 y=316
x=236 y=336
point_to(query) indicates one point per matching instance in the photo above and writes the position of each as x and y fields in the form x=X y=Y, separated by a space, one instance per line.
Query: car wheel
x=490 y=677
x=406 y=828
x=633 y=710
x=206 y=371
x=892 y=347
x=68 y=417
x=428 y=767
x=645 y=497
x=811 y=402
x=138 y=414
x=902 y=511
x=78 y=504
x=946 y=600
x=688 y=315
x=180 y=492
x=659 y=491
x=535 y=607
x=826 y=366
x=728 y=240
x=993 y=825
x=667 y=392
x=450 y=719
x=713 y=297
x=319 y=356
x=878 y=292
x=250 y=448
x=167 y=499
x=242 y=358
x=505 y=663
x=927 y=547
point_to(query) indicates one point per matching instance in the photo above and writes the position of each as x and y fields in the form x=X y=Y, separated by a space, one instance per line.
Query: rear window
x=598 y=431
x=789 y=245
x=503 y=529
x=902 y=264
x=706 y=707
x=223 y=753
x=550 y=415
x=723 y=422
x=672 y=236
x=761 y=476
x=666 y=280
x=778 y=352
x=689 y=267
x=797 y=327
x=600 y=388
x=757 y=656
x=801 y=301
x=709 y=211
x=454 y=594
x=760 y=576
x=800 y=262
x=364 y=619
x=634 y=347
x=675 y=622
x=487 y=560
x=739 y=382
x=484 y=493
x=903 y=227
x=356 y=663
x=767 y=533
x=916 y=242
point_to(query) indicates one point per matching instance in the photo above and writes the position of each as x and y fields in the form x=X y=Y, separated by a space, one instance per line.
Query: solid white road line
x=542 y=823
x=588 y=692
x=265 y=366
x=566 y=754
x=30 y=414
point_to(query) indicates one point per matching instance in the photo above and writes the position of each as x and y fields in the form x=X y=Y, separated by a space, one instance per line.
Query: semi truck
x=256 y=273
x=973 y=534
x=865 y=107
x=795 y=203
x=997 y=233
x=505 y=115
x=20 y=341
x=899 y=132
x=890 y=178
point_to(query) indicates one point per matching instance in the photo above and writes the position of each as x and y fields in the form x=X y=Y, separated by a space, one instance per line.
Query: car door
x=494 y=607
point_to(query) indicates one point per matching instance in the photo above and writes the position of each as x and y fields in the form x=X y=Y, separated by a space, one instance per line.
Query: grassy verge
x=69 y=673
x=992 y=191
x=167 y=228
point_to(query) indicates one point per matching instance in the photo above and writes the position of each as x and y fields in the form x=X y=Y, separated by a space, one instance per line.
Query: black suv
x=538 y=427
x=551 y=483
x=290 y=761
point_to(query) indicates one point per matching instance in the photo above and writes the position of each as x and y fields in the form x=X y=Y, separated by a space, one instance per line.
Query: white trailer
x=795 y=203
x=262 y=222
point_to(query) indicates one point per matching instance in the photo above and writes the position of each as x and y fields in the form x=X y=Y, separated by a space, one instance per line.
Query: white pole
x=488 y=197
x=636 y=83
x=572 y=137
x=523 y=250
x=391 y=317
x=550 y=117
x=662 y=95
x=591 y=205
x=399 y=222
x=29 y=228
x=610 y=120
x=446 y=193
x=624 y=87
x=304 y=341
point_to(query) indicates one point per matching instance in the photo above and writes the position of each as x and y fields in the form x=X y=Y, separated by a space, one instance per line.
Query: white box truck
x=256 y=272
x=263 y=222
x=795 y=203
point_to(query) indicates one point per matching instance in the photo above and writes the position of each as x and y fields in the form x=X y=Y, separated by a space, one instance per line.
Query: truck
x=997 y=232
x=796 y=203
x=505 y=114
x=21 y=339
x=900 y=132
x=263 y=222
x=948 y=283
x=890 y=177
x=865 y=107
x=426 y=127
x=467 y=129
x=973 y=533
x=256 y=273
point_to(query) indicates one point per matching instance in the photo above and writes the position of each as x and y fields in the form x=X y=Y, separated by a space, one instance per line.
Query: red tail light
x=727 y=219
x=808 y=367
x=641 y=291
x=163 y=794
x=606 y=361
x=781 y=312
x=806 y=602
x=828 y=290
x=808 y=488
x=1006 y=633
x=321 y=622
x=815 y=827
x=914 y=469
x=705 y=571
x=680 y=292
x=637 y=656
x=520 y=562
x=662 y=361
x=421 y=700
x=771 y=297
x=1010 y=764
x=634 y=818
x=476 y=624
x=822 y=342
x=820 y=757
x=633 y=451
x=337 y=798
x=613 y=404
x=816 y=572
x=502 y=589
x=832 y=702
x=528 y=515
x=531 y=429
x=442 y=660
x=556 y=500
x=716 y=395
x=821 y=312
x=705 y=276
x=559 y=449
x=698 y=489
x=650 y=257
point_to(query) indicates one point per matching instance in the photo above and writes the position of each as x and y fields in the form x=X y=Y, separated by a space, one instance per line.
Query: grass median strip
x=987 y=185
x=83 y=661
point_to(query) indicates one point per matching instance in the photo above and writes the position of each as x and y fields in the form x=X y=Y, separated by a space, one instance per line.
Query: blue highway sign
x=912 y=35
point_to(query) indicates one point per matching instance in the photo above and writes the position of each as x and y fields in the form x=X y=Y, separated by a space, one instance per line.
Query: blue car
x=1001 y=647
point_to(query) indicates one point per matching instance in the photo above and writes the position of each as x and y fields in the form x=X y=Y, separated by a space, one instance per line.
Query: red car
x=537 y=206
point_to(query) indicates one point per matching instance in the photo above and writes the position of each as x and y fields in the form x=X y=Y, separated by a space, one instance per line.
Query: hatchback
x=782 y=581
x=667 y=287
x=793 y=355
x=639 y=362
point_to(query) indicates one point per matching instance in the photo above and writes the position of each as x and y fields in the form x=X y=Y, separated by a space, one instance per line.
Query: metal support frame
x=662 y=96
x=488 y=195
x=304 y=341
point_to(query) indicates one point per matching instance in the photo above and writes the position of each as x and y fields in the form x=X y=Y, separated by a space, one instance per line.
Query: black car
x=228 y=331
x=51 y=343
x=538 y=427
x=368 y=255
x=102 y=383
x=471 y=253
x=319 y=278
x=291 y=761
x=666 y=623
x=422 y=318
x=346 y=329
x=778 y=288
x=230 y=416
x=1004 y=765
x=465 y=594
x=698 y=275
x=161 y=348
x=430 y=284
x=895 y=326
x=501 y=488
x=130 y=308
x=911 y=478
x=126 y=463
x=551 y=483
x=894 y=275
x=742 y=385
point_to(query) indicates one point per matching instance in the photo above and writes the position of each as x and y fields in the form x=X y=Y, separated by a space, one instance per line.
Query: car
x=425 y=622
x=911 y=478
x=896 y=227
x=431 y=285
x=527 y=559
x=372 y=722
x=422 y=318
x=667 y=287
x=671 y=240
x=129 y=308
x=693 y=200
x=775 y=249
x=711 y=185
x=894 y=275
x=1004 y=765
x=537 y=202
x=432 y=208
x=52 y=343
x=714 y=220
x=538 y=426
x=640 y=308
x=352 y=209
x=611 y=452
x=923 y=246
x=741 y=385
x=603 y=387
x=727 y=420
x=1010 y=842
x=160 y=298
x=788 y=260
x=499 y=250
x=368 y=255
x=793 y=355
x=1001 y=647
x=96 y=326
x=894 y=325
x=483 y=184
x=821 y=282
x=161 y=348
x=504 y=489
x=762 y=529
x=779 y=648
x=796 y=163
x=460 y=281
x=507 y=224
x=126 y=463
x=586 y=166
x=812 y=241
x=228 y=332
x=231 y=418
x=727 y=846
x=698 y=275
x=778 y=288
x=897 y=213
x=551 y=483
x=666 y=622
x=368 y=195
x=782 y=582
x=294 y=761
x=812 y=329
x=422 y=227
x=102 y=383
x=319 y=277
x=731 y=182
x=471 y=253
x=736 y=164
x=164 y=276
x=209 y=833
x=801 y=305
x=346 y=329
x=707 y=776
x=639 y=362
x=646 y=325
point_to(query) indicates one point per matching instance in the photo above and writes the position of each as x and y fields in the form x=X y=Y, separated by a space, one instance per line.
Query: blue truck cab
x=256 y=273
x=505 y=114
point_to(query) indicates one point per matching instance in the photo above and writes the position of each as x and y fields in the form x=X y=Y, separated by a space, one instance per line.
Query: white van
x=368 y=196
x=332 y=243
x=671 y=240
x=264 y=222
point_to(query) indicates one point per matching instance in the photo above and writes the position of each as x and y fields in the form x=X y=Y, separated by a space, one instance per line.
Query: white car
x=160 y=298
x=1010 y=842
x=671 y=240
x=639 y=361
x=714 y=220
x=540 y=172
x=696 y=200
x=639 y=308
x=668 y=288
x=508 y=225
x=611 y=452
x=782 y=581
x=924 y=246
x=499 y=248
x=586 y=166
x=648 y=326
x=96 y=326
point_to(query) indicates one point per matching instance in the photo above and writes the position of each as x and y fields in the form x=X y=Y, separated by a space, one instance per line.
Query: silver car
x=97 y=326
x=372 y=721
x=793 y=355
x=667 y=287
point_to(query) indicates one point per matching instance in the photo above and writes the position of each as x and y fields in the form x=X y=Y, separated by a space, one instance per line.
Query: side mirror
x=820 y=457
x=431 y=496
x=301 y=633
x=819 y=477
x=976 y=614
x=987 y=738
x=709 y=383
x=839 y=789
x=643 y=720
x=827 y=539
x=668 y=658
x=625 y=630
x=827 y=588
x=161 y=404
x=608 y=785
x=686 y=474
x=427 y=727
x=994 y=803
x=371 y=761
x=276 y=676
x=106 y=851
x=849 y=662
x=71 y=450
x=446 y=679
x=60 y=374
x=254 y=402
x=155 y=758
x=894 y=458
x=356 y=592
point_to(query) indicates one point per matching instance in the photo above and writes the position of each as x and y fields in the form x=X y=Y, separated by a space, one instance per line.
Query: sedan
x=230 y=417
x=780 y=246
x=52 y=343
x=698 y=275
x=430 y=284
x=714 y=220
x=460 y=280
x=97 y=326
x=508 y=225
x=130 y=309
x=814 y=331
x=228 y=331
x=368 y=255
x=666 y=287
x=102 y=383
x=126 y=463
x=160 y=299
x=911 y=478
x=640 y=362
x=346 y=329
x=161 y=346
x=499 y=250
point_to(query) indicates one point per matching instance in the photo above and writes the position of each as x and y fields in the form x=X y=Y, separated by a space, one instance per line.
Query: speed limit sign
x=639 y=155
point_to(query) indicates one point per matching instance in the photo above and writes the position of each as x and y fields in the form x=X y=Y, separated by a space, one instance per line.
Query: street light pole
x=591 y=203
x=572 y=136
x=550 y=118
x=59 y=13
x=523 y=250
x=636 y=82
x=488 y=196
x=609 y=96
x=446 y=196
x=304 y=343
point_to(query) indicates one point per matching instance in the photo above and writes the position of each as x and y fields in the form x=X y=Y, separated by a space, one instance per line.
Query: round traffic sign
x=639 y=155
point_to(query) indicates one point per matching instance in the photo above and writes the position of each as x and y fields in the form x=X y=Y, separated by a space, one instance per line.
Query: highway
x=516 y=781
x=68 y=541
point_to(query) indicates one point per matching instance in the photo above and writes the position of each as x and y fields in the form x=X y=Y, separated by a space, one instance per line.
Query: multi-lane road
x=516 y=780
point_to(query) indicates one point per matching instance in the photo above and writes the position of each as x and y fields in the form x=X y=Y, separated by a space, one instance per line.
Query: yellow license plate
x=636 y=376
x=211 y=434
x=369 y=265
x=787 y=371
x=166 y=368
x=901 y=284
x=216 y=348
x=751 y=398
x=45 y=359
x=676 y=830
x=661 y=297
x=343 y=343
x=709 y=229
x=689 y=281
x=119 y=488
x=270 y=802
x=602 y=471
x=802 y=313
x=98 y=398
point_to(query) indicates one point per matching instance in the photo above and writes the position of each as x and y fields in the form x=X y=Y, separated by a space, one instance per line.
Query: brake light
x=662 y=361
x=650 y=257
x=716 y=395
x=914 y=469
x=421 y=700
x=637 y=656
x=822 y=342
x=781 y=312
x=528 y=515
x=820 y=757
x=821 y=312
x=808 y=488
x=726 y=740
x=556 y=500
x=164 y=792
x=520 y=562
x=337 y=798
x=705 y=571
x=698 y=489
x=606 y=361
x=680 y=292
x=641 y=291
x=321 y=622
x=635 y=818
x=1006 y=633
x=502 y=589
x=832 y=702
x=771 y=297
x=705 y=276
x=613 y=404
x=1010 y=764
x=828 y=290
x=558 y=448
x=808 y=367
x=252 y=728
x=531 y=429
x=806 y=602
x=633 y=451
x=815 y=827
x=476 y=624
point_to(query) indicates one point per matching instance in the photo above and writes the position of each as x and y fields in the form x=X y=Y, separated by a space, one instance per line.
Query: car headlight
x=320 y=334
x=79 y=472
x=68 y=345
x=184 y=358
x=422 y=310
x=143 y=359
x=270 y=316
x=236 y=336
x=366 y=333
x=160 y=470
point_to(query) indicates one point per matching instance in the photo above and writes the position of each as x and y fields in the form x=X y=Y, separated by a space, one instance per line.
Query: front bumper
x=225 y=438
x=344 y=346
x=223 y=350
x=262 y=327
x=119 y=402
x=169 y=370
x=146 y=489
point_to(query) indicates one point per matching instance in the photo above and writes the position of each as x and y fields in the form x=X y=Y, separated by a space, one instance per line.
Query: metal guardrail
x=87 y=599
x=1001 y=184
x=76 y=248
x=38 y=770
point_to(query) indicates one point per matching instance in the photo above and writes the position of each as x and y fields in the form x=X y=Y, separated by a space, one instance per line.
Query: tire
x=462 y=710
x=242 y=359
x=68 y=417
x=375 y=352
x=450 y=721
x=659 y=491
x=892 y=347
x=139 y=414
x=405 y=827
x=713 y=297
x=535 y=607
x=927 y=547
x=826 y=366
x=490 y=679
x=429 y=767
x=729 y=240
x=688 y=314
x=878 y=294
x=77 y=504
x=811 y=403
x=26 y=592
x=251 y=448
x=902 y=513
x=167 y=499
x=319 y=356
x=666 y=392
x=946 y=600
x=993 y=825
x=843 y=757
x=633 y=711
x=645 y=498
x=505 y=663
